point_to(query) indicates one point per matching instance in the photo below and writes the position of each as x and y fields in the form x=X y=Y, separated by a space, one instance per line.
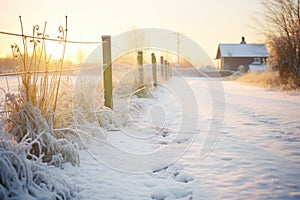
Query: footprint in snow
x=175 y=172
x=184 y=178
x=227 y=158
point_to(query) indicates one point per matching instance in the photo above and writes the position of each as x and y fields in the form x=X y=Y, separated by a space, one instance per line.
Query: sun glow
x=54 y=50
x=74 y=53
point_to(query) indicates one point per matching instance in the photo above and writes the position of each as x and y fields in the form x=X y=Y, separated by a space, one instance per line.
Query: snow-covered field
x=196 y=138
x=256 y=154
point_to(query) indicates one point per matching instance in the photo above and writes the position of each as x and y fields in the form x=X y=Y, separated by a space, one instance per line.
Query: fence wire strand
x=46 y=38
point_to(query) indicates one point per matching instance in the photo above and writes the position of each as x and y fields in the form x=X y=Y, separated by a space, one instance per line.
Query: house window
x=257 y=61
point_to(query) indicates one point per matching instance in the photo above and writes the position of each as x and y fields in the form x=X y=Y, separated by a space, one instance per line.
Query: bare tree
x=281 y=26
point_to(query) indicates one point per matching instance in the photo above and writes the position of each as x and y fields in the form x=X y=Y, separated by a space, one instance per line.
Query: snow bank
x=257 y=67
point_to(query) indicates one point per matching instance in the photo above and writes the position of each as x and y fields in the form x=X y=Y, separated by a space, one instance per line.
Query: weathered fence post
x=166 y=70
x=162 y=67
x=140 y=68
x=170 y=71
x=107 y=71
x=153 y=58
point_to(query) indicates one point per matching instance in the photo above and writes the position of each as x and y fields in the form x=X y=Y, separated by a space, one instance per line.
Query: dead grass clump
x=268 y=79
x=262 y=79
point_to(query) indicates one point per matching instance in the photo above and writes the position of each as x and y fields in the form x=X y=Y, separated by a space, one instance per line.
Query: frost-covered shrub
x=130 y=84
x=21 y=178
x=24 y=121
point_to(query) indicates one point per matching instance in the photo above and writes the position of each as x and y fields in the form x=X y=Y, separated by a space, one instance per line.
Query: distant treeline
x=7 y=65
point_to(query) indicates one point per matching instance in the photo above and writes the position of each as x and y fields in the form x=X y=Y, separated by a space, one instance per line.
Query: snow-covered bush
x=24 y=121
x=21 y=178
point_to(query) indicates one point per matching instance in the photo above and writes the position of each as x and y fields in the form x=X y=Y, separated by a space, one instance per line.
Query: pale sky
x=207 y=22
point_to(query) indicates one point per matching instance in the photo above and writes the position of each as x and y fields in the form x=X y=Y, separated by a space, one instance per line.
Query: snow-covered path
x=257 y=154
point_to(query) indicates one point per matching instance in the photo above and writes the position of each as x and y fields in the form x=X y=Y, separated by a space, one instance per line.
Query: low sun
x=55 y=50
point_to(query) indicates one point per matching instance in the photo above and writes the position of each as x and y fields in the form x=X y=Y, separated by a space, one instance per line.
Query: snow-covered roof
x=242 y=50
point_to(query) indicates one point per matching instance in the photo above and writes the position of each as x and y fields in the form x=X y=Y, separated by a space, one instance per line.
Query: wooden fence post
x=153 y=58
x=140 y=68
x=166 y=70
x=107 y=71
x=170 y=71
x=162 y=67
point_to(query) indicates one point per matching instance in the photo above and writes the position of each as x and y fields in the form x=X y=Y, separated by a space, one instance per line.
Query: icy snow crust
x=256 y=156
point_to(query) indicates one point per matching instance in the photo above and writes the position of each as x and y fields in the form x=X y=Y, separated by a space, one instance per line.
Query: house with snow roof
x=250 y=56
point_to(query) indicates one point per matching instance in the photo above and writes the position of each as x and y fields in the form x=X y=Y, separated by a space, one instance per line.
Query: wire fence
x=72 y=69
x=46 y=38
x=145 y=78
